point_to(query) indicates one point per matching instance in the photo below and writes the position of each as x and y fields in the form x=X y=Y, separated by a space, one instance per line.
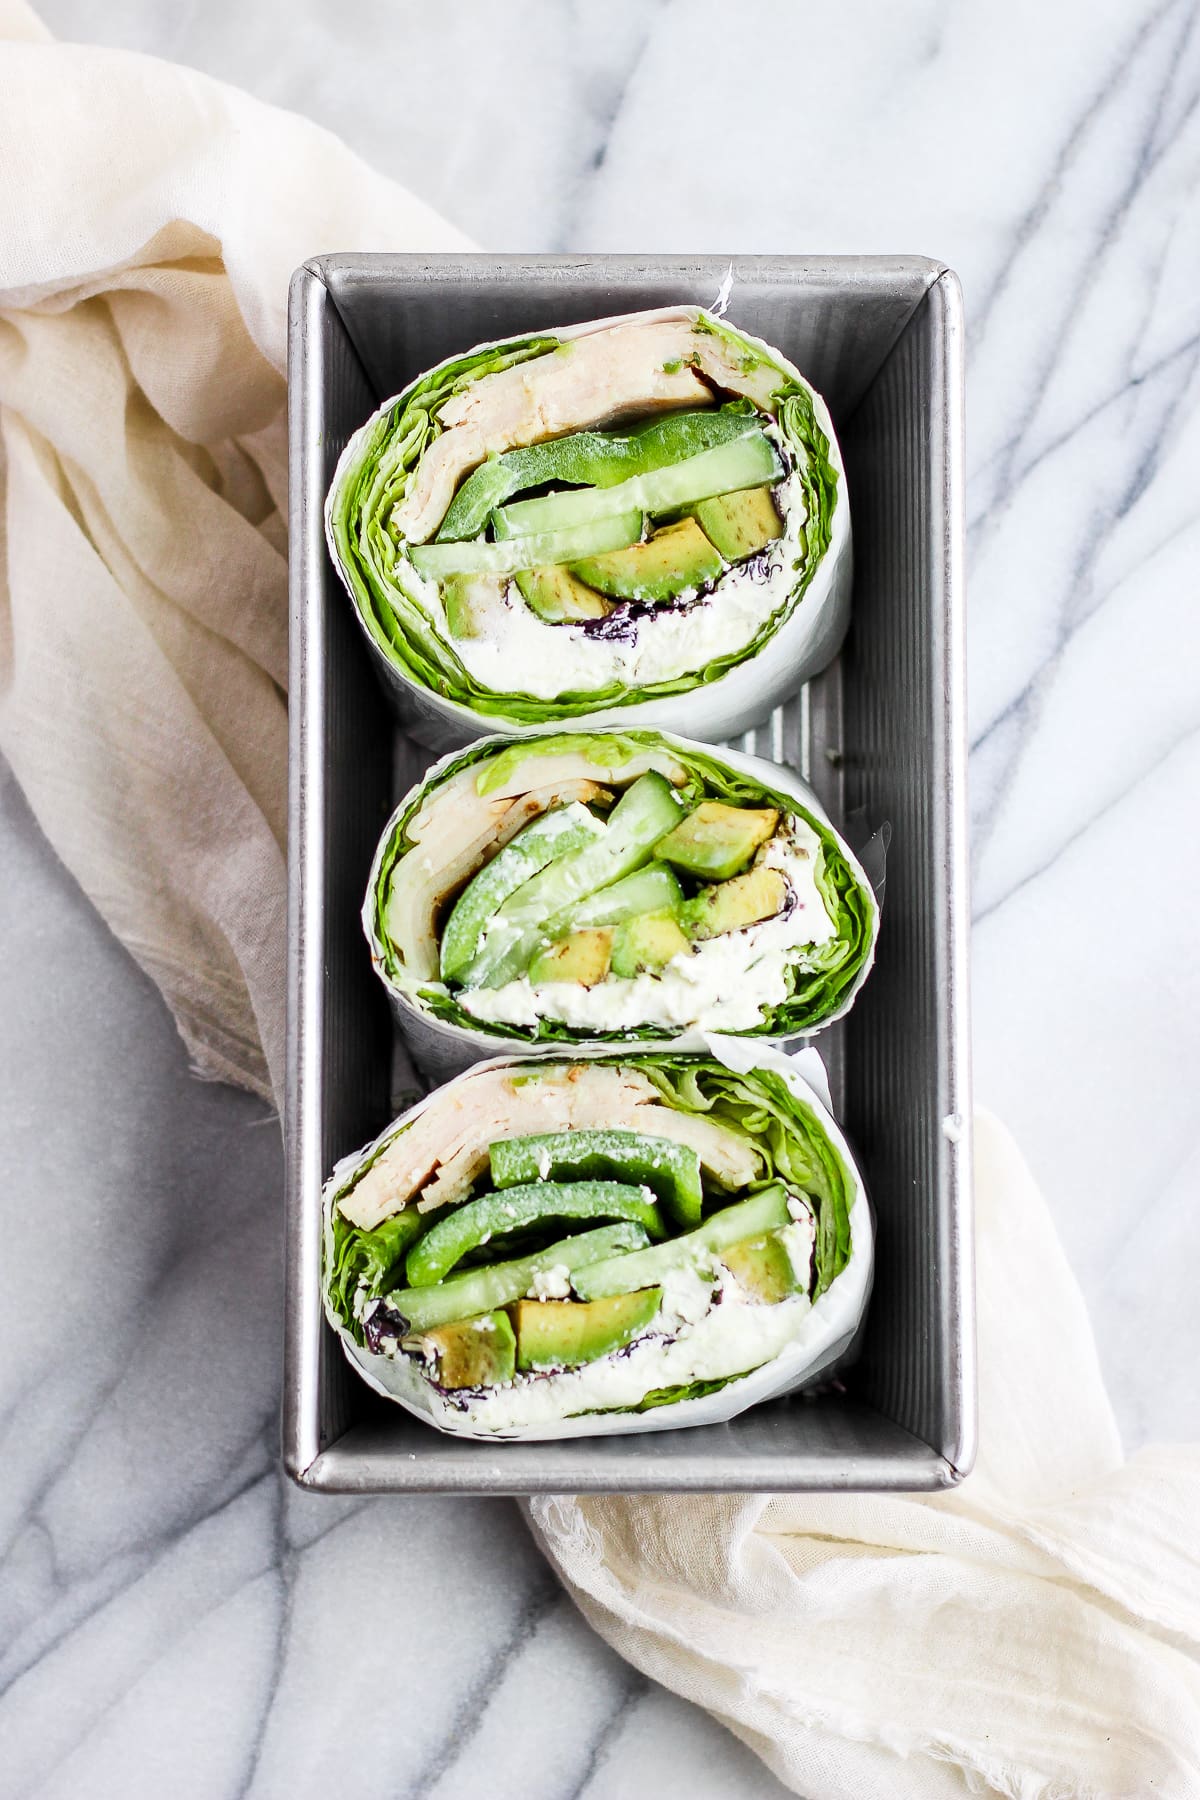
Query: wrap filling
x=561 y=1238
x=609 y=884
x=551 y=524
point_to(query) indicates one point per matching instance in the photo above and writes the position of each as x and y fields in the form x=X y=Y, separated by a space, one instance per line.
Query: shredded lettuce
x=367 y=1263
x=388 y=592
x=785 y=1129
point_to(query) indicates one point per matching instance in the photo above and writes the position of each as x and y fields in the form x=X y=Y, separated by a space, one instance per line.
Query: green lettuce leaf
x=365 y=1264
x=668 y=1396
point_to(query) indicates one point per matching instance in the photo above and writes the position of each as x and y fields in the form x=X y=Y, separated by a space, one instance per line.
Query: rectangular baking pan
x=881 y=736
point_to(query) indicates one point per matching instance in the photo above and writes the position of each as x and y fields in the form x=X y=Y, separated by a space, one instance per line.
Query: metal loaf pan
x=882 y=731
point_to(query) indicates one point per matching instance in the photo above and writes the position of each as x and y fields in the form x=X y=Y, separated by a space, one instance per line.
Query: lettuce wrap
x=637 y=520
x=549 y=1248
x=612 y=886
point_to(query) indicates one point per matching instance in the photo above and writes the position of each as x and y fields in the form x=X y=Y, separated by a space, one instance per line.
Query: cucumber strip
x=744 y=462
x=472 y=1226
x=483 y=1290
x=645 y=811
x=615 y=529
x=669 y=1170
x=540 y=843
x=647 y=1268
x=645 y=891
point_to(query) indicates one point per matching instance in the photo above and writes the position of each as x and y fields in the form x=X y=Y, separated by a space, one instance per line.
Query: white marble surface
x=173 y=1614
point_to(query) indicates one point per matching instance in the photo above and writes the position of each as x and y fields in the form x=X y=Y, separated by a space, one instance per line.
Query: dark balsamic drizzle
x=620 y=625
x=382 y=1323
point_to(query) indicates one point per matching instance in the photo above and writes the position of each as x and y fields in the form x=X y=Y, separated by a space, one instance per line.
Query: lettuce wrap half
x=612 y=886
x=549 y=1248
x=638 y=520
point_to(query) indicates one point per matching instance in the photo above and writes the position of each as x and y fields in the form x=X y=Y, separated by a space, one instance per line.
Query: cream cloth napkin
x=149 y=221
x=1033 y=1633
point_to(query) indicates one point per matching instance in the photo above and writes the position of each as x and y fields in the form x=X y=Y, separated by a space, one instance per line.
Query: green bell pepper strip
x=670 y=1170
x=483 y=1290
x=475 y=1224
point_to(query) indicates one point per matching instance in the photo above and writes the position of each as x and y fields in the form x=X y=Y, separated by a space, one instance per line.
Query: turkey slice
x=445 y=1150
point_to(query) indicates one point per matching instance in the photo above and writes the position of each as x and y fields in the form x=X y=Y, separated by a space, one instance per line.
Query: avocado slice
x=645 y=1268
x=557 y=597
x=763 y=1269
x=591 y=458
x=472 y=1353
x=511 y=553
x=716 y=841
x=676 y=558
x=651 y=890
x=497 y=1284
x=746 y=900
x=534 y=1204
x=460 y=599
x=739 y=525
x=563 y=1334
x=669 y=1169
x=544 y=908
x=647 y=944
x=744 y=462
x=582 y=957
x=555 y=834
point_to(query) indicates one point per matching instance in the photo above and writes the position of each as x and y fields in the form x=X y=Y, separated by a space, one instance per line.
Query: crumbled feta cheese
x=799 y=1241
x=551 y=1284
x=687 y=1293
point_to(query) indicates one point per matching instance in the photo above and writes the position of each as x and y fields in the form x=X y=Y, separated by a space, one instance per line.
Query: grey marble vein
x=173 y=1616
